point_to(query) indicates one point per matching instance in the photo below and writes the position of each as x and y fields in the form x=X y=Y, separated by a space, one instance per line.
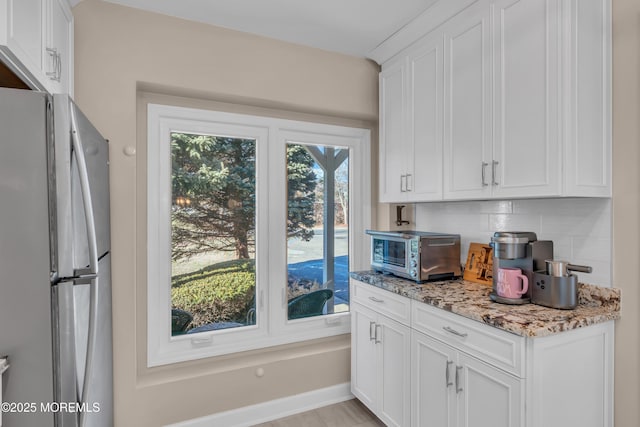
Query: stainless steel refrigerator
x=55 y=281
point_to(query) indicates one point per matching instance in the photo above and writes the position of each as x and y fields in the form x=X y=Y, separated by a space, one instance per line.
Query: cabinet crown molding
x=432 y=17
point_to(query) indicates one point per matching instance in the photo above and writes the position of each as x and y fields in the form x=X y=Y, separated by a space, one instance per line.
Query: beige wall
x=626 y=206
x=121 y=53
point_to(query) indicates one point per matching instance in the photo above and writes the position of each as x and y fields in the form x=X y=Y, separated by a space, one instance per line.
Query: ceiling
x=353 y=27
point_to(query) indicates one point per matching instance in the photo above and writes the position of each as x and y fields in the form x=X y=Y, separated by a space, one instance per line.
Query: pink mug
x=509 y=283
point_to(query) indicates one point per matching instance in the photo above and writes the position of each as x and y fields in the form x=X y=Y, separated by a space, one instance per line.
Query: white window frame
x=271 y=136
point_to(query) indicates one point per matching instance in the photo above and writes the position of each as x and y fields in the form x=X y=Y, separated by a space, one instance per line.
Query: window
x=213 y=213
x=251 y=230
x=317 y=230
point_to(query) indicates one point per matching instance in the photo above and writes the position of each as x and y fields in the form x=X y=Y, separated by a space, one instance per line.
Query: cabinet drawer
x=384 y=302
x=489 y=344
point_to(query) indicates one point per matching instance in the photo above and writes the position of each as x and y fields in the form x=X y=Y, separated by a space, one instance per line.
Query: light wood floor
x=351 y=413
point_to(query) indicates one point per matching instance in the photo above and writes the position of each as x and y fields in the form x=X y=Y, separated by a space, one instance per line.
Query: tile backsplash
x=580 y=228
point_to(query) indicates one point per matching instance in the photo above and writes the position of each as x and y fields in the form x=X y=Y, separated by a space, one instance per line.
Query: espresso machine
x=519 y=249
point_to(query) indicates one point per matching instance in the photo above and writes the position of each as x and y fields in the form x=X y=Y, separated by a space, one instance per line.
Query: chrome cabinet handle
x=458 y=370
x=446 y=375
x=53 y=53
x=56 y=66
x=493 y=172
x=59 y=70
x=484 y=181
x=378 y=340
x=454 y=332
x=374 y=299
x=372 y=336
x=408 y=186
x=403 y=183
x=56 y=74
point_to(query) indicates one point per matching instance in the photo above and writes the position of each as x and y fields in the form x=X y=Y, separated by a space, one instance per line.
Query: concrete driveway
x=305 y=261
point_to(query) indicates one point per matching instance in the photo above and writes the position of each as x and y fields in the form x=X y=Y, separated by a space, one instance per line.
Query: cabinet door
x=588 y=99
x=424 y=173
x=60 y=40
x=432 y=381
x=487 y=396
x=364 y=372
x=394 y=372
x=526 y=156
x=25 y=38
x=572 y=378
x=467 y=107
x=393 y=142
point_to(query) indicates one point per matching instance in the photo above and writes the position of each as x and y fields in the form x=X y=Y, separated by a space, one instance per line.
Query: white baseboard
x=273 y=409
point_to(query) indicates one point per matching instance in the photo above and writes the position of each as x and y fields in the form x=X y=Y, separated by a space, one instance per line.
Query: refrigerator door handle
x=86 y=196
x=92 y=270
x=91 y=348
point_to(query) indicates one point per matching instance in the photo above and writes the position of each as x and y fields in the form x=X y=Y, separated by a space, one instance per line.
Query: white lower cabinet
x=381 y=352
x=450 y=388
x=468 y=374
x=432 y=368
x=380 y=365
x=570 y=378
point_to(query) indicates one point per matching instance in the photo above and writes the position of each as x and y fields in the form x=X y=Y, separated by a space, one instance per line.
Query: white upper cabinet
x=23 y=32
x=411 y=124
x=36 y=42
x=526 y=151
x=60 y=47
x=467 y=112
x=393 y=142
x=520 y=106
x=587 y=127
x=425 y=120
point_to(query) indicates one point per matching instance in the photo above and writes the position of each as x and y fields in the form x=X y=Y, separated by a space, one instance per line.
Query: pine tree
x=301 y=192
x=213 y=190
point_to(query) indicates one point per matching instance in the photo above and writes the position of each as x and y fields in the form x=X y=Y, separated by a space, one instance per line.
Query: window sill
x=203 y=345
x=150 y=377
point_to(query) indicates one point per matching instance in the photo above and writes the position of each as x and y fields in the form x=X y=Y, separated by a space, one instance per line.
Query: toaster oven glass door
x=390 y=252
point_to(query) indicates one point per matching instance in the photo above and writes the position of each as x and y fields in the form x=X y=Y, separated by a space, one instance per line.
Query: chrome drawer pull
x=374 y=299
x=454 y=332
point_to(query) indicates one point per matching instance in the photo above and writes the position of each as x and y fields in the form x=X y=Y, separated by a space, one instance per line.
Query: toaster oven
x=416 y=255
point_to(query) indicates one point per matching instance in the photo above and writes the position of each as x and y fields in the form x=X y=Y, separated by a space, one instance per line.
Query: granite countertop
x=596 y=304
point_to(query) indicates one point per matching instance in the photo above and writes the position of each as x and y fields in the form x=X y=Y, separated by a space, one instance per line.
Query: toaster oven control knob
x=414 y=273
x=414 y=263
